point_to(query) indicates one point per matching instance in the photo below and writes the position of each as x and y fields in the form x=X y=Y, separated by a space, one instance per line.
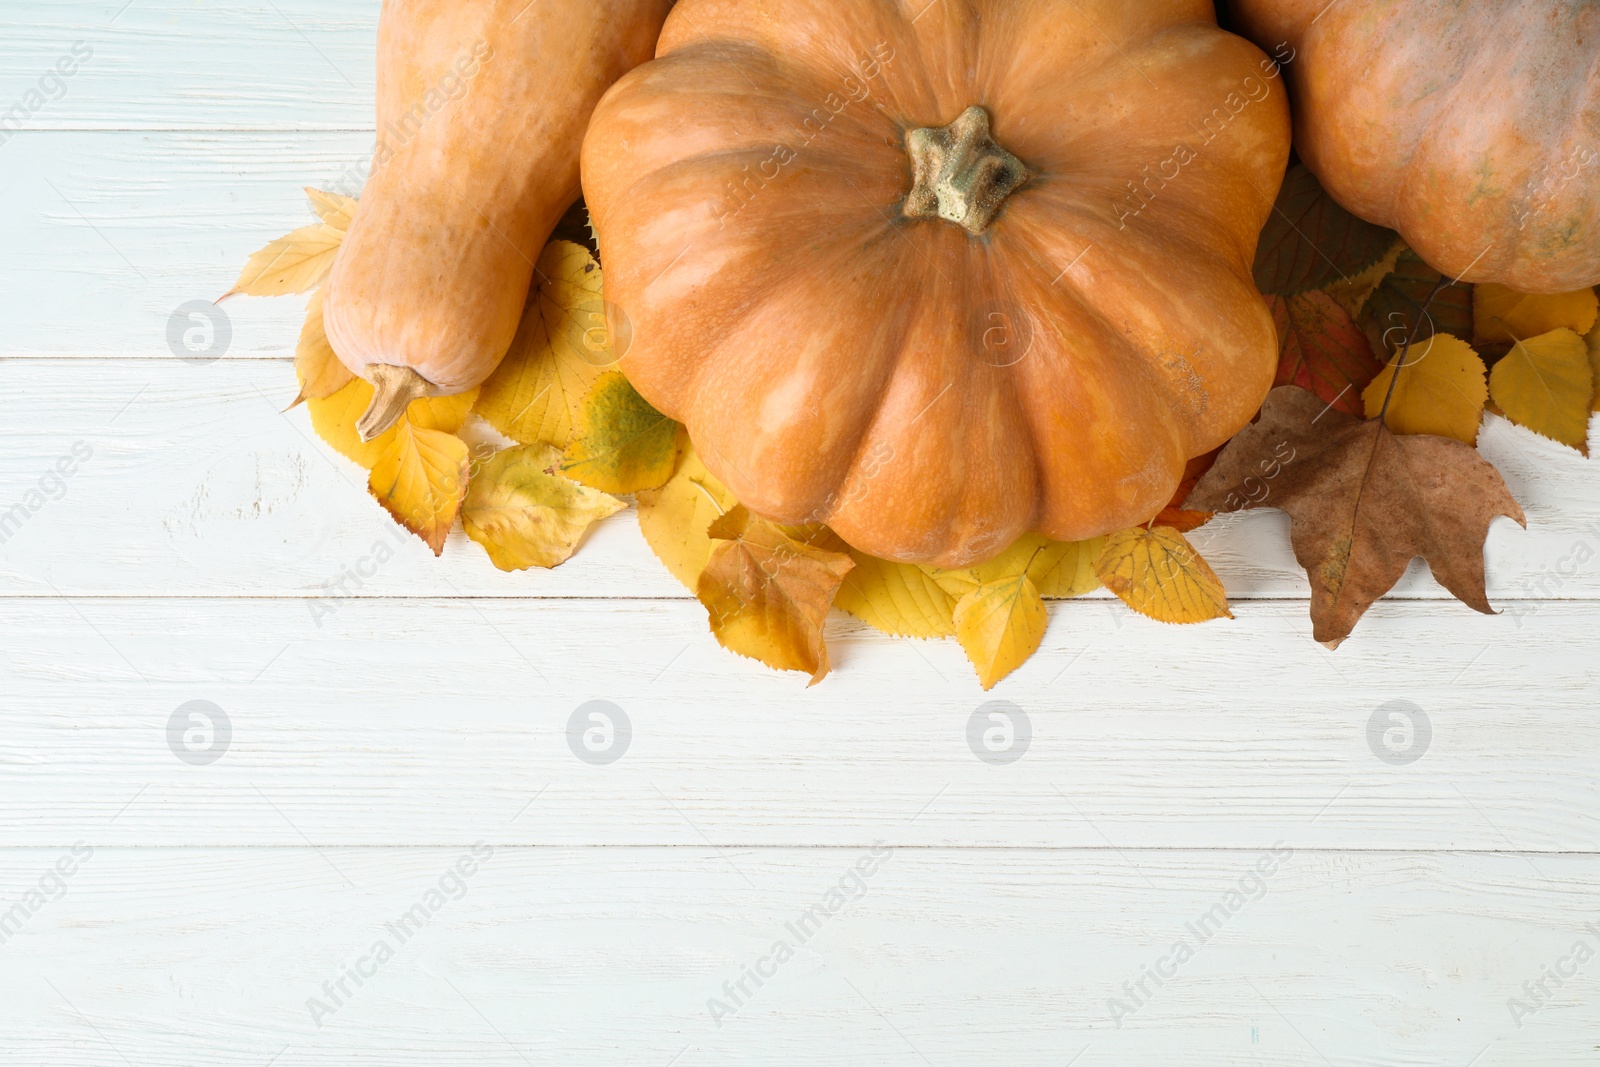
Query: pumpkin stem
x=393 y=390
x=959 y=174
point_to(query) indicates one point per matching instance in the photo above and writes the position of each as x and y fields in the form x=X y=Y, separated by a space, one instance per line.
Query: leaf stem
x=1411 y=337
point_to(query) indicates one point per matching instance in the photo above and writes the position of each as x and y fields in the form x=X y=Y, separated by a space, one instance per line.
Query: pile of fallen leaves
x=1373 y=457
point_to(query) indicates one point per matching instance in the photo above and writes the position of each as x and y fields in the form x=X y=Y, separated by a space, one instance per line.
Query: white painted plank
x=185 y=64
x=199 y=485
x=426 y=721
x=968 y=957
x=106 y=235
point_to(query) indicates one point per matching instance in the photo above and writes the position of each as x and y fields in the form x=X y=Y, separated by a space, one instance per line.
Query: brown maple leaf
x=1363 y=502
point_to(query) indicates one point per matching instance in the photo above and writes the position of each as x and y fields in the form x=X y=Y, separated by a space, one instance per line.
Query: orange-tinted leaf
x=1158 y=573
x=768 y=594
x=1321 y=349
x=421 y=479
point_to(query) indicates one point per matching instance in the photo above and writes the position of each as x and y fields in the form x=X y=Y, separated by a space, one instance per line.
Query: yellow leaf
x=1442 y=390
x=333 y=208
x=1546 y=384
x=525 y=516
x=315 y=365
x=620 y=444
x=999 y=625
x=1351 y=293
x=1158 y=573
x=421 y=479
x=768 y=595
x=1056 y=568
x=897 y=598
x=290 y=264
x=560 y=349
x=1501 y=314
x=1592 y=340
x=675 y=517
x=334 y=419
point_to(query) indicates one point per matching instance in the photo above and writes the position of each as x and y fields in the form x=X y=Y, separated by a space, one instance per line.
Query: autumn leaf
x=1058 y=569
x=1321 y=349
x=1310 y=241
x=620 y=443
x=1352 y=293
x=1592 y=341
x=561 y=347
x=1442 y=390
x=1547 y=385
x=674 y=518
x=1158 y=573
x=1501 y=314
x=768 y=594
x=334 y=419
x=526 y=516
x=1363 y=502
x=290 y=264
x=1395 y=308
x=999 y=625
x=334 y=209
x=421 y=479
x=897 y=598
x=1175 y=514
x=315 y=365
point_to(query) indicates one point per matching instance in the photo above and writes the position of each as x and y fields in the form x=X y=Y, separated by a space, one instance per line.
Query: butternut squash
x=482 y=108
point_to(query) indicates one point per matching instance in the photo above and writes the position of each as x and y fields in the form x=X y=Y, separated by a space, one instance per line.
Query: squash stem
x=393 y=390
x=959 y=173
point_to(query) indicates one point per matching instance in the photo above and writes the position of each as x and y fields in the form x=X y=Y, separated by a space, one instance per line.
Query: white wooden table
x=1016 y=913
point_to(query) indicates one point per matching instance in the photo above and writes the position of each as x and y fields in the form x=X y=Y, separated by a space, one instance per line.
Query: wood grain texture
x=182 y=959
x=399 y=721
x=178 y=64
x=206 y=536
x=216 y=491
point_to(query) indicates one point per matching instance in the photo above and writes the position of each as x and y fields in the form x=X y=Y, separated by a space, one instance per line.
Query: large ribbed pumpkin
x=1471 y=126
x=941 y=273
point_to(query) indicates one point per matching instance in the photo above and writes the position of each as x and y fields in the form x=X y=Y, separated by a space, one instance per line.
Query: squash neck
x=959 y=173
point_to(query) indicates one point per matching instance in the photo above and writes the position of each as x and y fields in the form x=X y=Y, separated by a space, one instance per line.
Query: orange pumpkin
x=939 y=274
x=1473 y=128
x=482 y=105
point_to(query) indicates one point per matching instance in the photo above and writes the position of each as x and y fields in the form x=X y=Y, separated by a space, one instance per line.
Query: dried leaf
x=675 y=517
x=999 y=625
x=1442 y=390
x=334 y=209
x=1396 y=306
x=526 y=516
x=1501 y=314
x=1310 y=241
x=1175 y=514
x=1322 y=349
x=1546 y=384
x=290 y=264
x=1158 y=573
x=1363 y=502
x=897 y=598
x=768 y=594
x=561 y=347
x=1592 y=341
x=620 y=444
x=315 y=365
x=1352 y=293
x=334 y=419
x=1058 y=569
x=421 y=479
